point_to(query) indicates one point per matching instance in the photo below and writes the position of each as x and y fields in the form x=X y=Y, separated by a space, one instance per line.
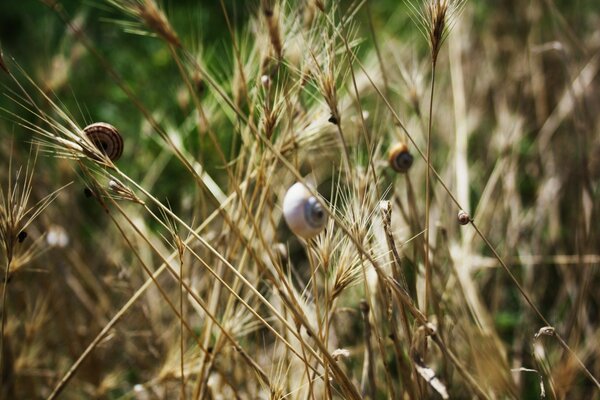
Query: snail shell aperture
x=400 y=158
x=106 y=138
x=303 y=213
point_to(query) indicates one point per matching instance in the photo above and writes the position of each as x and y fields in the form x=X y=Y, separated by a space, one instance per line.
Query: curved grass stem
x=428 y=195
x=3 y=322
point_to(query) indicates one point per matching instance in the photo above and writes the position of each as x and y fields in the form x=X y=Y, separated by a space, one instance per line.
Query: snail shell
x=106 y=138
x=22 y=236
x=302 y=212
x=400 y=158
x=463 y=217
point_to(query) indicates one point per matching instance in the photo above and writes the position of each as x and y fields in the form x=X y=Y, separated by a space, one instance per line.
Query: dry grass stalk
x=246 y=310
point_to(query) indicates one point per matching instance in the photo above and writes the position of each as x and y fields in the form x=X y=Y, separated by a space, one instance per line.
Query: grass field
x=300 y=199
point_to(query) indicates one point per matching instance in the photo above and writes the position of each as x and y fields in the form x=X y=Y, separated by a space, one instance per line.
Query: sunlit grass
x=467 y=272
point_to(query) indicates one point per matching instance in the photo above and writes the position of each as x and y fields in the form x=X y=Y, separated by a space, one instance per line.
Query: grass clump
x=445 y=198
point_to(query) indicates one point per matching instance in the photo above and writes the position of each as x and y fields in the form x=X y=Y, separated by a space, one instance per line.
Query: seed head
x=156 y=20
x=149 y=13
x=435 y=18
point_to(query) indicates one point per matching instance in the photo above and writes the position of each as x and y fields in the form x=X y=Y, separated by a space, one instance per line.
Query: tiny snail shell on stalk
x=463 y=217
x=265 y=80
x=88 y=192
x=106 y=138
x=400 y=158
x=302 y=212
x=57 y=237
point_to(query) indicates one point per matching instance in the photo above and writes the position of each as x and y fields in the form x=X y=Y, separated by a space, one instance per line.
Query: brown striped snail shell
x=400 y=158
x=106 y=138
x=463 y=217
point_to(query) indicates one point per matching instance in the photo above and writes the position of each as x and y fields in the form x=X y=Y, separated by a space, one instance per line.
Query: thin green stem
x=428 y=195
x=4 y=289
x=181 y=347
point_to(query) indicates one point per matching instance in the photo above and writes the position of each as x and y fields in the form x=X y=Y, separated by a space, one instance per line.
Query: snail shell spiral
x=463 y=217
x=302 y=212
x=106 y=138
x=400 y=158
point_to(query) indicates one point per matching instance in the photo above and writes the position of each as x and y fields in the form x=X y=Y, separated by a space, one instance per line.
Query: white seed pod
x=106 y=138
x=57 y=236
x=303 y=214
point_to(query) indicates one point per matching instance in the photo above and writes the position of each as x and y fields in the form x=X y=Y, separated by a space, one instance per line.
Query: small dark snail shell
x=22 y=236
x=106 y=138
x=463 y=217
x=400 y=158
x=88 y=192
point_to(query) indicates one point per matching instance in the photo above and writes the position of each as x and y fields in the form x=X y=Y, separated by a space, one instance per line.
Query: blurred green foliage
x=42 y=45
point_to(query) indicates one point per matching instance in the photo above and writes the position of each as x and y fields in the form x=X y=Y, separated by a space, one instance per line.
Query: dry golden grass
x=171 y=272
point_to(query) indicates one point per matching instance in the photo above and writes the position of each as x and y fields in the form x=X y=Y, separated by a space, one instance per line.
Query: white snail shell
x=106 y=138
x=302 y=212
x=265 y=80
